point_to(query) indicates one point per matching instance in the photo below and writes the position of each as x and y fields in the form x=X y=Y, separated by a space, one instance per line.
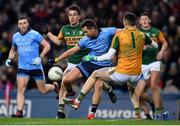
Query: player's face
x=23 y=25
x=74 y=17
x=91 y=33
x=144 y=21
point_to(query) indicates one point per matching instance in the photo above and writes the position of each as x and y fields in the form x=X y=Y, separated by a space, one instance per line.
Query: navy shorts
x=37 y=74
x=87 y=68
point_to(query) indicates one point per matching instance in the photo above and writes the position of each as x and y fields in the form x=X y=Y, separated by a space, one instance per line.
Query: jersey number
x=133 y=40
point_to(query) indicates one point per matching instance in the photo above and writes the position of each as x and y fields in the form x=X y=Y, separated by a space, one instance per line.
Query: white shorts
x=146 y=69
x=124 y=78
x=70 y=66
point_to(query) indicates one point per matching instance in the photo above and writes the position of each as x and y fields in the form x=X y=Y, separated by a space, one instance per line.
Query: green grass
x=48 y=121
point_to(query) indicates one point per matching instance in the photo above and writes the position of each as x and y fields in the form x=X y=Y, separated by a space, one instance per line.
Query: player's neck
x=23 y=33
x=74 y=25
x=146 y=28
x=131 y=27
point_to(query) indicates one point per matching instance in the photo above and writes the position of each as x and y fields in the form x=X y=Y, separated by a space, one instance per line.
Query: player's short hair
x=89 y=23
x=130 y=18
x=21 y=18
x=145 y=14
x=74 y=7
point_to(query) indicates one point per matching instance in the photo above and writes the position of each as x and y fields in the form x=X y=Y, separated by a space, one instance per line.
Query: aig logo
x=7 y=109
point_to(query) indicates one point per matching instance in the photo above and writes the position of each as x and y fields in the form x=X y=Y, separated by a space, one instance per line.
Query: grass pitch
x=48 y=121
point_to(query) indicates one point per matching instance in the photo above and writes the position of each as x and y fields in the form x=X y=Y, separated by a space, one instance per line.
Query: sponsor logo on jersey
x=72 y=40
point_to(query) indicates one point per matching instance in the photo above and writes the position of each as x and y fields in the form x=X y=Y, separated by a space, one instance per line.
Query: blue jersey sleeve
x=110 y=30
x=38 y=37
x=13 y=42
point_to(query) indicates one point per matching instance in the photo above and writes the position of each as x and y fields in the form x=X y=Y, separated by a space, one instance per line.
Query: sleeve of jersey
x=115 y=42
x=113 y=30
x=60 y=35
x=112 y=51
x=13 y=42
x=161 y=37
x=39 y=37
x=147 y=40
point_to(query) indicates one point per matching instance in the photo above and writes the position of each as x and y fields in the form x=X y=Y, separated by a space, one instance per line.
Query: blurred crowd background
x=165 y=15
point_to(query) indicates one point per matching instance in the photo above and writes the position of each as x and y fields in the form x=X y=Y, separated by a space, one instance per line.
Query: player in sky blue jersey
x=26 y=42
x=98 y=42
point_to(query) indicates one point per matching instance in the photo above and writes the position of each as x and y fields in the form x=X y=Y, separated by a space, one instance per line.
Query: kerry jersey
x=71 y=36
x=149 y=54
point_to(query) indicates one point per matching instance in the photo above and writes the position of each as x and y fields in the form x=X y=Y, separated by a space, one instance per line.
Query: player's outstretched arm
x=108 y=56
x=67 y=53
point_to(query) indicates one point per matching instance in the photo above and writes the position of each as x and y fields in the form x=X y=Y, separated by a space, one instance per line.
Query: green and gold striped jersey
x=149 y=54
x=71 y=36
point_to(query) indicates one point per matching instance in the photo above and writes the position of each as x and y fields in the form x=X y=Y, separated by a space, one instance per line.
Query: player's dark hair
x=21 y=18
x=89 y=23
x=74 y=7
x=145 y=14
x=130 y=18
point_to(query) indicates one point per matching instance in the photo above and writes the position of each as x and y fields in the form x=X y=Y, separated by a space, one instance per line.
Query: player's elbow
x=48 y=47
x=57 y=42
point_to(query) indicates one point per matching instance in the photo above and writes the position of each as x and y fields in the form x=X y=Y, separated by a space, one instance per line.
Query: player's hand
x=87 y=58
x=51 y=61
x=43 y=28
x=37 y=61
x=8 y=62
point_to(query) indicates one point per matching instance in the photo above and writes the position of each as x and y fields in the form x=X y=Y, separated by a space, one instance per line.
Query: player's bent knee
x=67 y=81
x=99 y=86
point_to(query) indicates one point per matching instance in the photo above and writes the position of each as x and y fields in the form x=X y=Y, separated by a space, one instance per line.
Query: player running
x=151 y=61
x=26 y=43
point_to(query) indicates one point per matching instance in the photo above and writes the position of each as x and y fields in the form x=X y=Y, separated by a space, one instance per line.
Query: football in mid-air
x=55 y=73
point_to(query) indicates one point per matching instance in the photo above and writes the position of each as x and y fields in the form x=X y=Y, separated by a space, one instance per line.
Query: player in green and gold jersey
x=151 y=61
x=70 y=34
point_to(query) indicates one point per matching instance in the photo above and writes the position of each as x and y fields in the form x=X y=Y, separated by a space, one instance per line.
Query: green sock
x=107 y=87
x=61 y=108
x=162 y=109
x=81 y=96
x=158 y=110
x=137 y=111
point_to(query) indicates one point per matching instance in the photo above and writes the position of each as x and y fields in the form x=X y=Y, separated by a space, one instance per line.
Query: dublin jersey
x=99 y=45
x=71 y=36
x=149 y=54
x=27 y=46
